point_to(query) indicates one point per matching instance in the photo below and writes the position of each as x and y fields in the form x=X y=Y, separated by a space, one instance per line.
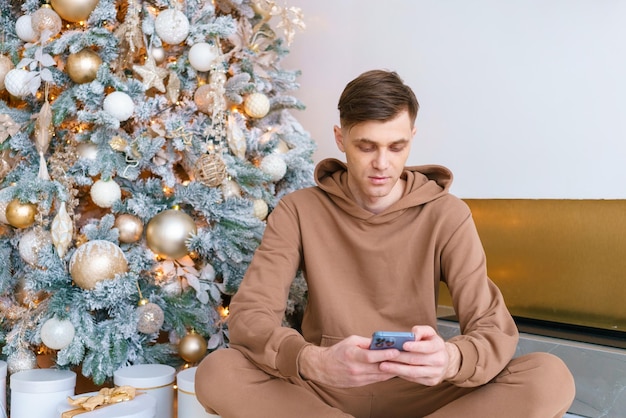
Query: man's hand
x=428 y=360
x=349 y=363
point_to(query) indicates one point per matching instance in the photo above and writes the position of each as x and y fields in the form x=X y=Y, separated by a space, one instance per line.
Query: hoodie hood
x=424 y=184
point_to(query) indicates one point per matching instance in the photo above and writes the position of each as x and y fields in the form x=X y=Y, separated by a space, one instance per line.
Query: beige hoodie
x=368 y=272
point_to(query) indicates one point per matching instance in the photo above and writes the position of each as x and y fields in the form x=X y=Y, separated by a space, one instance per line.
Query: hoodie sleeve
x=489 y=335
x=258 y=308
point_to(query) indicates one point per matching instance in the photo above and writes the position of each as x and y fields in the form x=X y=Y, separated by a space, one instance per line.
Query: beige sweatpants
x=536 y=385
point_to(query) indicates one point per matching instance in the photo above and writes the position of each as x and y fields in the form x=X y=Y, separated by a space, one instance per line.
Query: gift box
x=38 y=392
x=188 y=405
x=3 y=388
x=156 y=380
x=140 y=406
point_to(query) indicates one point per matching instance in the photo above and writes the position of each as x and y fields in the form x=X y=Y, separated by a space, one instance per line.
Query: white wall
x=520 y=98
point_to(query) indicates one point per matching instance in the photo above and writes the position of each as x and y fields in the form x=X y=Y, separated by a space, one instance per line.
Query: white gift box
x=38 y=392
x=3 y=388
x=188 y=405
x=142 y=406
x=156 y=380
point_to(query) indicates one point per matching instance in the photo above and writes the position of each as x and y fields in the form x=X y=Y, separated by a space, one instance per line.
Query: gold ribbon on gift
x=105 y=397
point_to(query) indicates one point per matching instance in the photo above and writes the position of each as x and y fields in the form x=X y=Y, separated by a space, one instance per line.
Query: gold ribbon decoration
x=105 y=397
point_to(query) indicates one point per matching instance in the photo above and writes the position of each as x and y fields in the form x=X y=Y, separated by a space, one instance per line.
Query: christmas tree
x=143 y=144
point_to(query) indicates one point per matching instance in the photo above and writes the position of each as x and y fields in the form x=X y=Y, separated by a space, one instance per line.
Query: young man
x=374 y=239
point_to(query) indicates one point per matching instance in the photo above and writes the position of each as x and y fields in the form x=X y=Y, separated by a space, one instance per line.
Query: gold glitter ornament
x=74 y=10
x=82 y=67
x=168 y=231
x=62 y=230
x=210 y=170
x=96 y=261
x=46 y=19
x=130 y=228
x=192 y=347
x=151 y=317
x=204 y=98
x=20 y=215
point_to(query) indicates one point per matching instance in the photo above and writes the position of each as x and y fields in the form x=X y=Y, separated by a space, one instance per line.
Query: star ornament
x=151 y=75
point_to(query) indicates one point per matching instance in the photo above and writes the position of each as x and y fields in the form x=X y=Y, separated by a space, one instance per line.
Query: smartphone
x=382 y=340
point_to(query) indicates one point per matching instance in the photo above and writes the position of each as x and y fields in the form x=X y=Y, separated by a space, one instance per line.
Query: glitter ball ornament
x=46 y=19
x=105 y=193
x=256 y=105
x=57 y=333
x=130 y=228
x=21 y=359
x=202 y=56
x=96 y=261
x=6 y=65
x=82 y=67
x=16 y=82
x=260 y=209
x=172 y=26
x=210 y=170
x=119 y=105
x=168 y=231
x=74 y=10
x=24 y=29
x=20 y=215
x=31 y=243
x=192 y=347
x=203 y=97
x=151 y=317
x=230 y=188
x=274 y=166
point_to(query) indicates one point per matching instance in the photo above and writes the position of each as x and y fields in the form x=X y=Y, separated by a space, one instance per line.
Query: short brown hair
x=376 y=95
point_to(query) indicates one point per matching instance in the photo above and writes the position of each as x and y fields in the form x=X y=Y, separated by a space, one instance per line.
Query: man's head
x=377 y=113
x=376 y=95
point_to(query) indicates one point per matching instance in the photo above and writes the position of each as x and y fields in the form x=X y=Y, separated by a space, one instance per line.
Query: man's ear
x=339 y=138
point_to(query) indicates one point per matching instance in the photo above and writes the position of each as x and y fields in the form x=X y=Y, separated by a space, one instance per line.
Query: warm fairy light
x=176 y=207
x=167 y=191
x=223 y=311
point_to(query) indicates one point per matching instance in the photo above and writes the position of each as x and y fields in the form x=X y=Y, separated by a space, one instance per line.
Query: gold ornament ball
x=168 y=231
x=82 y=67
x=74 y=10
x=204 y=98
x=260 y=209
x=210 y=170
x=20 y=215
x=96 y=261
x=6 y=65
x=130 y=228
x=151 y=317
x=192 y=347
x=46 y=19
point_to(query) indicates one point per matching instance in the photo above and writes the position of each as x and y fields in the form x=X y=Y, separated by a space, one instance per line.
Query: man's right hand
x=349 y=363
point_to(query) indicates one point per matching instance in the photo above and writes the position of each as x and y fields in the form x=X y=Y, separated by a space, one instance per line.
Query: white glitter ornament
x=274 y=166
x=57 y=333
x=21 y=359
x=96 y=261
x=87 y=150
x=24 y=29
x=62 y=230
x=172 y=26
x=6 y=65
x=105 y=193
x=31 y=243
x=260 y=209
x=256 y=105
x=230 y=188
x=16 y=82
x=202 y=56
x=119 y=105
x=151 y=317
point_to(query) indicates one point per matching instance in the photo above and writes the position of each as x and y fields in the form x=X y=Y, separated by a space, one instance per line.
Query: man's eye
x=397 y=148
x=366 y=149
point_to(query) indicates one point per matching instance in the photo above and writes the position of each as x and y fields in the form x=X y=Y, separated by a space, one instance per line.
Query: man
x=374 y=239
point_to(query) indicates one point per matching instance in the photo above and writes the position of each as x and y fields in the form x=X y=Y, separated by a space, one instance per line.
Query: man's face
x=376 y=153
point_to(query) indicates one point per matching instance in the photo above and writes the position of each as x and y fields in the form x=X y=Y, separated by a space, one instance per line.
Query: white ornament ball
x=256 y=105
x=274 y=166
x=57 y=333
x=260 y=209
x=105 y=193
x=202 y=56
x=16 y=82
x=158 y=54
x=172 y=26
x=20 y=360
x=24 y=29
x=31 y=243
x=87 y=150
x=6 y=65
x=119 y=105
x=230 y=188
